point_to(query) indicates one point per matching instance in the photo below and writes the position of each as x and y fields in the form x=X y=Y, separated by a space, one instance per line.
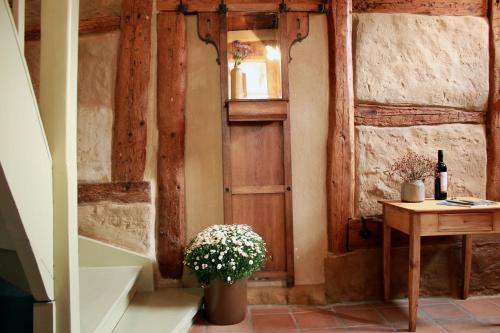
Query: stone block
x=421 y=60
x=377 y=148
x=130 y=226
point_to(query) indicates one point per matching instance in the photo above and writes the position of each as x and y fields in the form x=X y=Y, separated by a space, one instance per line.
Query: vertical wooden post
x=340 y=147
x=171 y=127
x=493 y=117
x=58 y=110
x=131 y=92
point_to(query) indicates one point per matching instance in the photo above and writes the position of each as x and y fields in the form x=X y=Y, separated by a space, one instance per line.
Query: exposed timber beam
x=131 y=92
x=241 y=5
x=340 y=145
x=429 y=7
x=92 y=25
x=115 y=192
x=402 y=116
x=493 y=117
x=172 y=57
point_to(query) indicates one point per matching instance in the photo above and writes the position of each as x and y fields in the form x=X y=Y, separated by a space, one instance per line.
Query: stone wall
x=428 y=61
x=417 y=60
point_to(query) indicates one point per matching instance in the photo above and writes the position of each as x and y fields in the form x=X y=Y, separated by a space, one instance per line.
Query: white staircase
x=117 y=294
x=105 y=293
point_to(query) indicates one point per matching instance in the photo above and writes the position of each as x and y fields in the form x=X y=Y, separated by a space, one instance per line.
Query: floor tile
x=480 y=308
x=274 y=309
x=360 y=317
x=317 y=318
x=273 y=322
x=444 y=311
x=397 y=314
x=347 y=307
x=470 y=326
x=197 y=329
x=327 y=330
x=371 y=329
x=242 y=327
x=423 y=326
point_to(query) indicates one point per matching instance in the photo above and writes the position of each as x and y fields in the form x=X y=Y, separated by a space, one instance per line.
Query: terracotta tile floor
x=436 y=315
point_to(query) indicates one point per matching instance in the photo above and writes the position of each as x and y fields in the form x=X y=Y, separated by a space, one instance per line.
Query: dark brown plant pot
x=226 y=304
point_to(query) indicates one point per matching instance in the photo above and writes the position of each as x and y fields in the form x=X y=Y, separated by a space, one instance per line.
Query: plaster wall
x=308 y=76
x=203 y=150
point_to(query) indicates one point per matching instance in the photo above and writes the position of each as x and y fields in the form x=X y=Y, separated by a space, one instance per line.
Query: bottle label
x=443 y=180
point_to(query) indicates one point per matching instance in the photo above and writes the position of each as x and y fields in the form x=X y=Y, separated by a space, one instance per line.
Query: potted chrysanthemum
x=223 y=257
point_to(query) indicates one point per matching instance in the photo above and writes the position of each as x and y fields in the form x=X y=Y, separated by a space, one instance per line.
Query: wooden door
x=257 y=168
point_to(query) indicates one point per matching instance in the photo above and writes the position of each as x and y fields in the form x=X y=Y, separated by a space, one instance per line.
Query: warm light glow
x=273 y=53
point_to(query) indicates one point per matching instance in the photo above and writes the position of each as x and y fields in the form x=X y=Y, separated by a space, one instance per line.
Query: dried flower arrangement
x=240 y=52
x=412 y=167
x=228 y=252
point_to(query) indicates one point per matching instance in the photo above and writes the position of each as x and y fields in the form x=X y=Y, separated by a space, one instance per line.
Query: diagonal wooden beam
x=131 y=92
x=340 y=146
x=171 y=100
x=493 y=117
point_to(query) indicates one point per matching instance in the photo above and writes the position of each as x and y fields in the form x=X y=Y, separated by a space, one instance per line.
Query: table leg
x=386 y=262
x=467 y=257
x=414 y=273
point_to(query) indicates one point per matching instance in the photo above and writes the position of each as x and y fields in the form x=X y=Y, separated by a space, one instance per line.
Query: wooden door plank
x=265 y=189
x=226 y=132
x=430 y=7
x=172 y=57
x=285 y=42
x=340 y=146
x=493 y=117
x=131 y=92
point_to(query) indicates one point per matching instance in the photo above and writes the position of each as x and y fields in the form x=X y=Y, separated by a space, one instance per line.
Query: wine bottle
x=441 y=178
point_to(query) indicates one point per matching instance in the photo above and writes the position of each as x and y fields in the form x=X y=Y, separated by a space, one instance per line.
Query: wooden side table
x=430 y=219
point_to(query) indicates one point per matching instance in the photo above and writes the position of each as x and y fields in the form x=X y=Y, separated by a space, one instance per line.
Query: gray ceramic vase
x=413 y=191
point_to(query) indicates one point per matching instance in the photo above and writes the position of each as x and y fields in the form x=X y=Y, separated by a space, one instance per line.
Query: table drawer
x=465 y=222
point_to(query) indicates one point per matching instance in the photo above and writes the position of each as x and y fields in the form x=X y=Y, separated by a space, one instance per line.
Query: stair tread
x=164 y=310
x=100 y=290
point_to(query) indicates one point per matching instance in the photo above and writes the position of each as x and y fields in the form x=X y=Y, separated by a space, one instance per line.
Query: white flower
x=229 y=278
x=250 y=262
x=206 y=256
x=219 y=266
x=196 y=268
